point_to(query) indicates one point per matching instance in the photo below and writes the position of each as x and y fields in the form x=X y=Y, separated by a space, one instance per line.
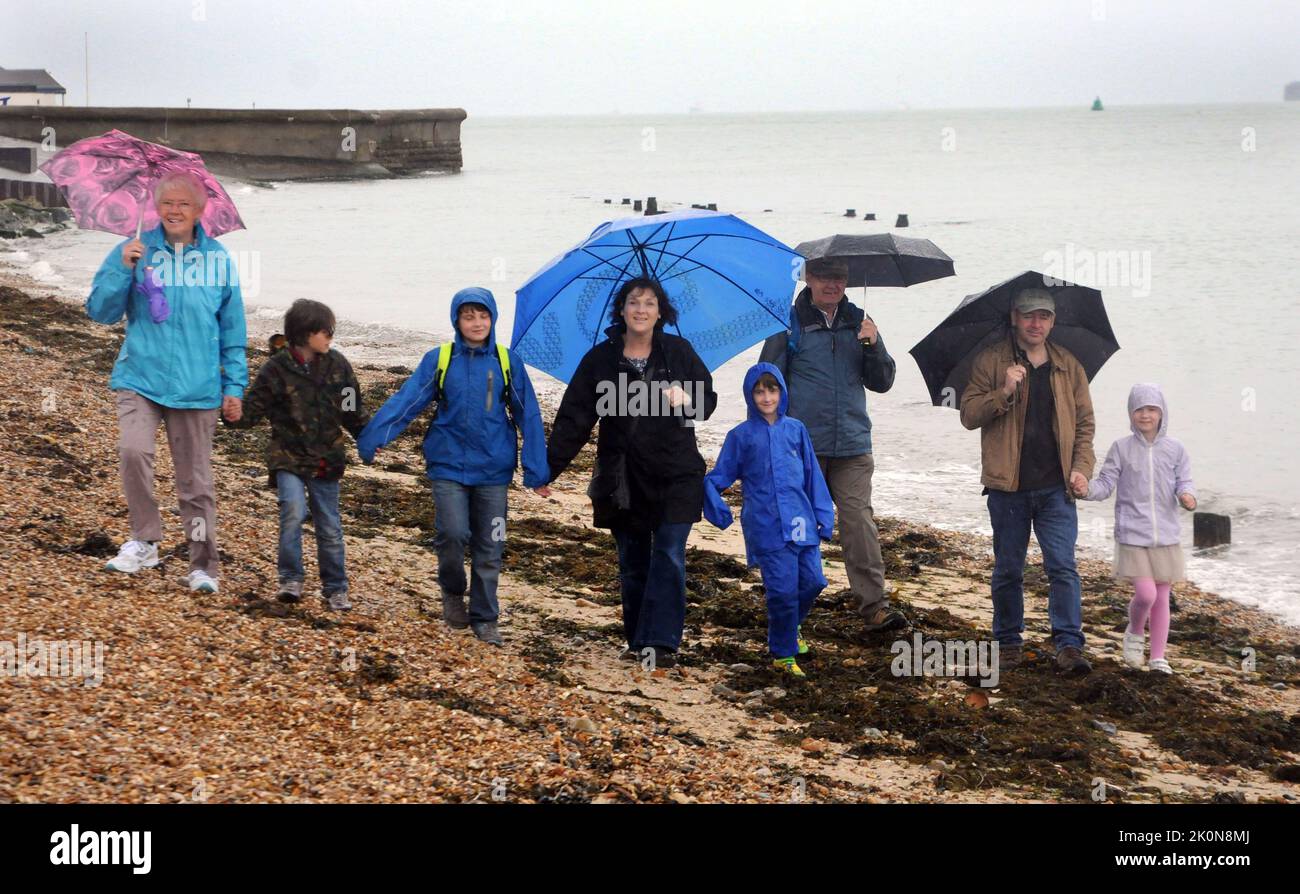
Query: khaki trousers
x=849 y=481
x=189 y=435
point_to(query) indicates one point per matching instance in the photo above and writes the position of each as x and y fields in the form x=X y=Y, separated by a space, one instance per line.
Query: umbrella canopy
x=729 y=281
x=882 y=259
x=946 y=354
x=108 y=181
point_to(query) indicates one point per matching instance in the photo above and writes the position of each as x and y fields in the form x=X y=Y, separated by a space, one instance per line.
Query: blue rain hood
x=474 y=295
x=751 y=378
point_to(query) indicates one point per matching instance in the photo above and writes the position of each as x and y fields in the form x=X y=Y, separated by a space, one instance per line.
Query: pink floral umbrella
x=108 y=182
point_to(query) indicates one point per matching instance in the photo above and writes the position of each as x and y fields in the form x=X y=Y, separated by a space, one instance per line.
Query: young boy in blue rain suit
x=787 y=508
x=484 y=402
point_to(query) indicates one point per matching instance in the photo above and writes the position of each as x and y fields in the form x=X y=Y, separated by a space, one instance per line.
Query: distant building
x=29 y=87
x=1292 y=90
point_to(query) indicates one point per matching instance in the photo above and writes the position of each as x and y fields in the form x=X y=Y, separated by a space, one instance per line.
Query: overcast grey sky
x=574 y=56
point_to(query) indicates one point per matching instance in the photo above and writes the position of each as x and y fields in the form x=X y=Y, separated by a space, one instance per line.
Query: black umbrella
x=882 y=259
x=946 y=354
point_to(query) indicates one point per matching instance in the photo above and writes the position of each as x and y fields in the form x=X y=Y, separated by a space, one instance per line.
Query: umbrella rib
x=577 y=276
x=632 y=249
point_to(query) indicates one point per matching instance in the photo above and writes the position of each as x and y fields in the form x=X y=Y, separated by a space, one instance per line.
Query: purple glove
x=150 y=288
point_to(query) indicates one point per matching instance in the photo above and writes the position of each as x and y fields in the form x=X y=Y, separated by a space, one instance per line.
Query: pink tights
x=1150 y=600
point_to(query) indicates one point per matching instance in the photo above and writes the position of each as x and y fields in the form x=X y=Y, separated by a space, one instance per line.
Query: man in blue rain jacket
x=470 y=453
x=787 y=508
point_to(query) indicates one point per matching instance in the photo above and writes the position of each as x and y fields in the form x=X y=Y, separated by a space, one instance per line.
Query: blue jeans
x=1055 y=522
x=294 y=493
x=473 y=516
x=792 y=578
x=652 y=572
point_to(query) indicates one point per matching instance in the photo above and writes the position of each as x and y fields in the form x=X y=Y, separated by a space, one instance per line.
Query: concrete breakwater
x=266 y=144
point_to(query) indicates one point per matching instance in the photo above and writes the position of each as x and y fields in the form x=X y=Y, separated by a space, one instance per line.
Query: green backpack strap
x=444 y=361
x=503 y=357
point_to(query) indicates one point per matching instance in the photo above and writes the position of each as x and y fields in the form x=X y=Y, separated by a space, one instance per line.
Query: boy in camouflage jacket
x=310 y=395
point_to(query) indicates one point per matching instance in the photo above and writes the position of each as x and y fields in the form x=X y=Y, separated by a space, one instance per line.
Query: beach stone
x=780 y=718
x=1279 y=686
x=762 y=771
x=1287 y=773
x=722 y=690
x=1108 y=728
x=1286 y=660
x=872 y=733
x=940 y=765
x=772 y=693
x=739 y=668
x=583 y=725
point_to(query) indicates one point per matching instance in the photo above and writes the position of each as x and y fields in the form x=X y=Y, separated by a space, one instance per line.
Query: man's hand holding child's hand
x=1078 y=485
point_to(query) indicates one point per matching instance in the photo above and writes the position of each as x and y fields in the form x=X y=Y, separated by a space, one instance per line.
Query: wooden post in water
x=1210 y=529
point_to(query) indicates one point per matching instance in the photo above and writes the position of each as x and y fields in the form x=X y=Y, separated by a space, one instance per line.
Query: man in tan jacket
x=1029 y=398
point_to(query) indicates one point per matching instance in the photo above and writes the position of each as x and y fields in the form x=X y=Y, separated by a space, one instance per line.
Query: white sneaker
x=134 y=555
x=1133 y=651
x=1159 y=664
x=199 y=582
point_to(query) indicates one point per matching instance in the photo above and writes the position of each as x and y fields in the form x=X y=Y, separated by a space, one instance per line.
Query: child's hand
x=1078 y=485
x=543 y=491
x=1188 y=501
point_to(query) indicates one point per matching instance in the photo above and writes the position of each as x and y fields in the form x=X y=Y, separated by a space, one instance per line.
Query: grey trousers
x=849 y=481
x=189 y=436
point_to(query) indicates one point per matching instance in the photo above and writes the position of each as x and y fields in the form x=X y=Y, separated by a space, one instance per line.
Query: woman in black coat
x=646 y=389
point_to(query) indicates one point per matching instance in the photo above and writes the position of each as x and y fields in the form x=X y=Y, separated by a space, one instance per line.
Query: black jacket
x=648 y=468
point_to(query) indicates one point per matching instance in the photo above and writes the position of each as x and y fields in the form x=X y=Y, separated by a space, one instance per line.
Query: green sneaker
x=803 y=643
x=789 y=666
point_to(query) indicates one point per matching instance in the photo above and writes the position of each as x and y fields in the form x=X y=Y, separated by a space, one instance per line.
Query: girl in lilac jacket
x=1150 y=475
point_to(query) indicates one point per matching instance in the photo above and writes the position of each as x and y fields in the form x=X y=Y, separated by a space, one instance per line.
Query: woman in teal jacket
x=182 y=359
x=470 y=453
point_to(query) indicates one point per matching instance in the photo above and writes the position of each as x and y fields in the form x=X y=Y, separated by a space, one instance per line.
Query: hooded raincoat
x=471 y=440
x=785 y=496
x=787 y=508
x=1146 y=477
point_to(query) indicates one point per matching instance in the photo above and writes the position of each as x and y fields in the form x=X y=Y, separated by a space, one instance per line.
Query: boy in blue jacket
x=484 y=399
x=787 y=508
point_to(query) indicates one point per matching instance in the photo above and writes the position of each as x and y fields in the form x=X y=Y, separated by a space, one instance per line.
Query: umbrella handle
x=139 y=224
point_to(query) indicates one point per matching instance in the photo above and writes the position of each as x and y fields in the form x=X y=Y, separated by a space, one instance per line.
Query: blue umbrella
x=730 y=283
